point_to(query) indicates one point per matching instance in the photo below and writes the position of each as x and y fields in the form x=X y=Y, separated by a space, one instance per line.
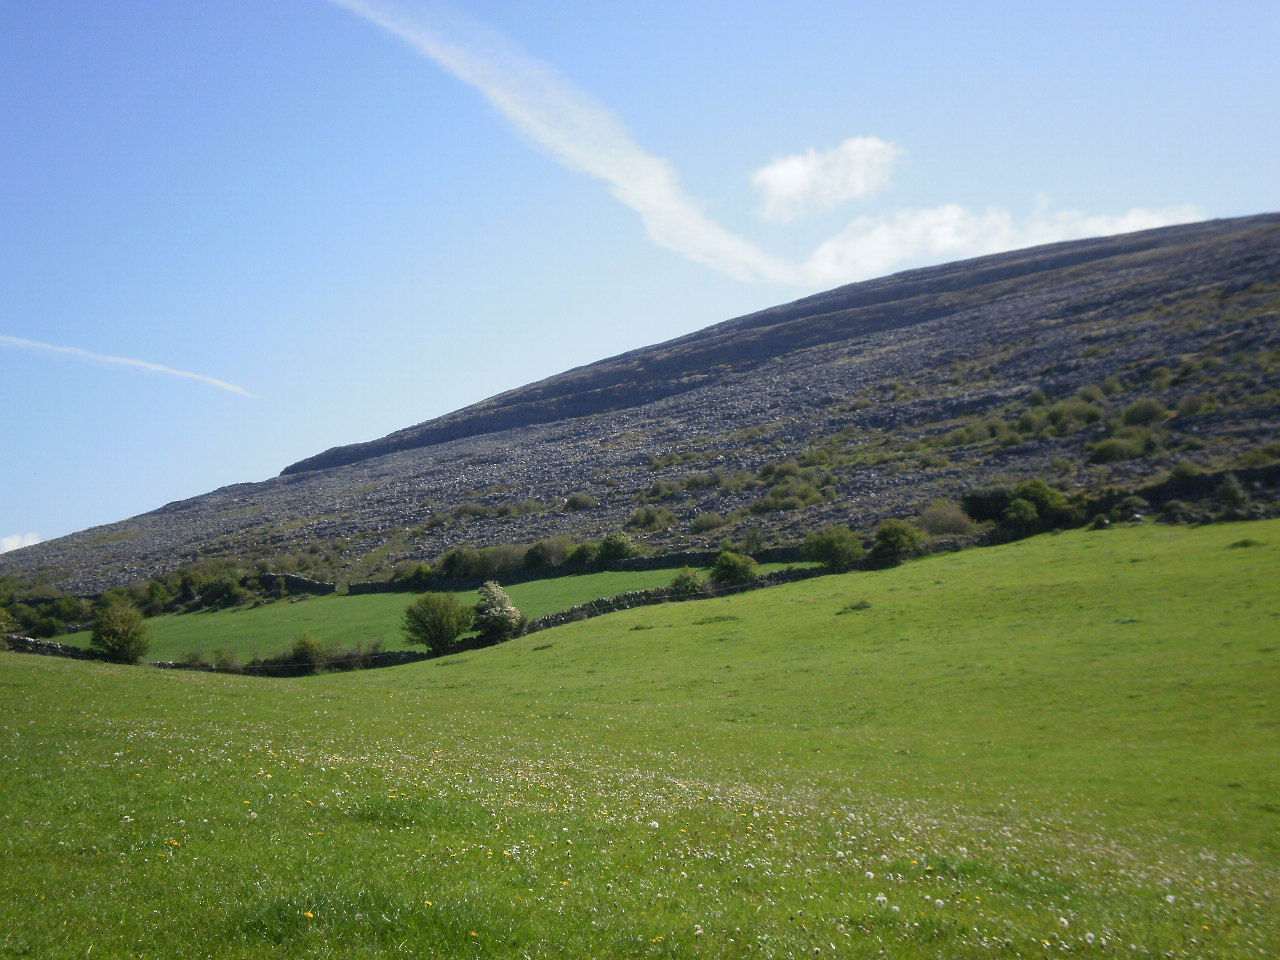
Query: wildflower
x=309 y=915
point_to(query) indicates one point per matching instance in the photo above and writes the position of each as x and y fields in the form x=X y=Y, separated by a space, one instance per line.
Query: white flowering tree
x=496 y=617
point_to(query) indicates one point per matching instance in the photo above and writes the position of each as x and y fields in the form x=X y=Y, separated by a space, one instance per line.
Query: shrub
x=7 y=623
x=617 y=546
x=1232 y=495
x=1021 y=516
x=1145 y=412
x=651 y=518
x=585 y=555
x=835 y=547
x=1190 y=404
x=435 y=621
x=460 y=562
x=661 y=490
x=1115 y=449
x=734 y=568
x=496 y=617
x=688 y=583
x=413 y=574
x=788 y=495
x=987 y=503
x=225 y=661
x=549 y=552
x=194 y=660
x=944 y=518
x=893 y=542
x=706 y=521
x=120 y=633
x=307 y=654
x=1052 y=506
x=580 y=501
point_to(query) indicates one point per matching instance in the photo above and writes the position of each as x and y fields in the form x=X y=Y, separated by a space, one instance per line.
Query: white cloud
x=78 y=354
x=873 y=246
x=585 y=136
x=16 y=540
x=796 y=184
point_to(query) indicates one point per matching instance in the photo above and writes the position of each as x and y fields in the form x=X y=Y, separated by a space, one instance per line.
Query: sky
x=234 y=233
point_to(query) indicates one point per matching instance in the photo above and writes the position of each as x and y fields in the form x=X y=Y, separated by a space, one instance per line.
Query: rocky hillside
x=1094 y=362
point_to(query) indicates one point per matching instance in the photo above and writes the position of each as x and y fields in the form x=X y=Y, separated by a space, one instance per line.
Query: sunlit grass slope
x=1068 y=746
x=272 y=627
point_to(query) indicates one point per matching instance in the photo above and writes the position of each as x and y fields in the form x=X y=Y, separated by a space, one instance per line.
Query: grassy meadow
x=1066 y=746
x=272 y=627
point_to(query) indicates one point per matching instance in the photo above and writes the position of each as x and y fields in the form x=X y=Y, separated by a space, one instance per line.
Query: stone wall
x=48 y=648
x=647 y=598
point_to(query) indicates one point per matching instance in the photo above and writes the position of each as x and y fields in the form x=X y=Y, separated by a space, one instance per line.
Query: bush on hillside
x=688 y=583
x=120 y=633
x=585 y=556
x=496 y=617
x=943 y=518
x=548 y=552
x=835 y=547
x=435 y=621
x=706 y=521
x=651 y=518
x=617 y=546
x=308 y=654
x=732 y=569
x=1117 y=449
x=1145 y=413
x=893 y=542
x=580 y=501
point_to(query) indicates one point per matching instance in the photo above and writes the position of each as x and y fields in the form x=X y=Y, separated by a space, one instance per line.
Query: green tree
x=496 y=617
x=893 y=542
x=734 y=568
x=435 y=621
x=120 y=633
x=1021 y=515
x=688 y=583
x=617 y=546
x=835 y=547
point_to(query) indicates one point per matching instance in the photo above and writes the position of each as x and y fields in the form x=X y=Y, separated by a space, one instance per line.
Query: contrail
x=583 y=135
x=89 y=355
x=576 y=132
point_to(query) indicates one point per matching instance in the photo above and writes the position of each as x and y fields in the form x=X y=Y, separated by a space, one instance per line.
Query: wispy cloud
x=796 y=184
x=76 y=353
x=16 y=540
x=585 y=136
x=575 y=131
x=873 y=246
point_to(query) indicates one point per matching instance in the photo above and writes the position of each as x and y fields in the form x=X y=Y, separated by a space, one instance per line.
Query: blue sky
x=324 y=221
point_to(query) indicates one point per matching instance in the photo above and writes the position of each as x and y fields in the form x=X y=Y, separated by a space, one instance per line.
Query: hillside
x=953 y=758
x=889 y=393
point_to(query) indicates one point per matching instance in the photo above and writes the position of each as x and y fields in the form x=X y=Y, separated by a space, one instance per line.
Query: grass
x=1068 y=746
x=272 y=627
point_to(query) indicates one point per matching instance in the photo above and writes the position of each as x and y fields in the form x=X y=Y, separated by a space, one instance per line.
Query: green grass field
x=272 y=627
x=1067 y=746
